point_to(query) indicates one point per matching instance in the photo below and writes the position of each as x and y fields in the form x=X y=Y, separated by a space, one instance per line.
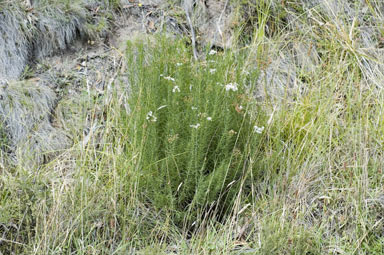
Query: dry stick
x=188 y=8
x=219 y=20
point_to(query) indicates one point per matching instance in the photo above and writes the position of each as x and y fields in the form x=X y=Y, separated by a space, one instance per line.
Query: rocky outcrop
x=213 y=18
x=26 y=111
x=29 y=32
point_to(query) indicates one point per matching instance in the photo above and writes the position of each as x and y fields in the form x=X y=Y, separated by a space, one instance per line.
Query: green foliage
x=255 y=16
x=197 y=133
x=283 y=238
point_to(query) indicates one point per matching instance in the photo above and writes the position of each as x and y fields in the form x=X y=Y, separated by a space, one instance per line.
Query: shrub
x=194 y=129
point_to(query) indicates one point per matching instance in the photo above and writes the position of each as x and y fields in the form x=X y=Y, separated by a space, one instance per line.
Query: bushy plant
x=196 y=127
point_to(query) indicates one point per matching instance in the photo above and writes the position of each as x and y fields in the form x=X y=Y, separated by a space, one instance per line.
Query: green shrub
x=194 y=126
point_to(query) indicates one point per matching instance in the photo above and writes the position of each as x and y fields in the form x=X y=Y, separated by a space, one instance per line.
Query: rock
x=15 y=47
x=213 y=20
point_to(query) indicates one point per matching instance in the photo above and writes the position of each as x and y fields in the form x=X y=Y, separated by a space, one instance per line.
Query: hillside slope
x=191 y=127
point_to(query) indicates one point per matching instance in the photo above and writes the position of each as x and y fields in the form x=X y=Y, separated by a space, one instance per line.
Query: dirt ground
x=74 y=78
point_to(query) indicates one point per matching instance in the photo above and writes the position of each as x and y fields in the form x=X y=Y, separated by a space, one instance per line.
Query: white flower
x=231 y=86
x=169 y=78
x=232 y=132
x=212 y=71
x=151 y=117
x=176 y=89
x=194 y=108
x=212 y=52
x=195 y=126
x=209 y=118
x=179 y=64
x=258 y=130
x=190 y=87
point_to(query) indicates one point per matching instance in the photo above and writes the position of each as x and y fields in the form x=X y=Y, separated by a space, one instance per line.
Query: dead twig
x=188 y=5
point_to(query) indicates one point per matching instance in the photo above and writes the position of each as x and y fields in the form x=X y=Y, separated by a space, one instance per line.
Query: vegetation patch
x=197 y=126
x=272 y=146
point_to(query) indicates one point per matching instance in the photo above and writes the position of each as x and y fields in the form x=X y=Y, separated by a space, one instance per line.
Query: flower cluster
x=212 y=52
x=176 y=89
x=151 y=117
x=231 y=86
x=168 y=78
x=258 y=130
x=195 y=126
